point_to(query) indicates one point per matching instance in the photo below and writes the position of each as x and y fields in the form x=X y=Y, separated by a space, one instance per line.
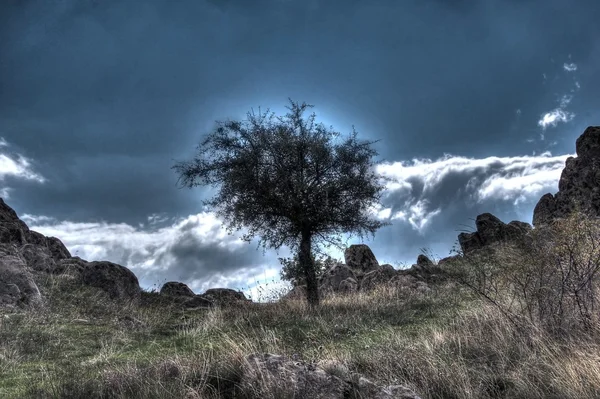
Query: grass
x=445 y=343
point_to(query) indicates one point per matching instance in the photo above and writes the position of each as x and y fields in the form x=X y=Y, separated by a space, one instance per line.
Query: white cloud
x=570 y=67
x=15 y=166
x=555 y=116
x=504 y=178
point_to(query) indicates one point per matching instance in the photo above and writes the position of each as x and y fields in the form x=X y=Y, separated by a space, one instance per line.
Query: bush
x=551 y=280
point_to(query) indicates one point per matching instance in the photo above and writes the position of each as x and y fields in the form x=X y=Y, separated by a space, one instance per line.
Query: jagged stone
x=360 y=258
x=491 y=230
x=579 y=184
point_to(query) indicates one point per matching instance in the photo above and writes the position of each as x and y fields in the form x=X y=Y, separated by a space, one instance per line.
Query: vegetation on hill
x=518 y=322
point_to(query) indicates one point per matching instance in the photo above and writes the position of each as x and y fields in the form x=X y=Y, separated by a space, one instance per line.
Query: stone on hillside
x=379 y=277
x=224 y=296
x=38 y=258
x=424 y=261
x=333 y=277
x=17 y=287
x=118 y=281
x=175 y=288
x=38 y=239
x=12 y=229
x=72 y=266
x=348 y=286
x=57 y=248
x=296 y=293
x=579 y=183
x=275 y=375
x=360 y=258
x=197 y=301
x=409 y=283
x=491 y=230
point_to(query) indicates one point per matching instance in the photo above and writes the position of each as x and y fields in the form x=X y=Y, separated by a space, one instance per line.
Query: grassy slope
x=442 y=344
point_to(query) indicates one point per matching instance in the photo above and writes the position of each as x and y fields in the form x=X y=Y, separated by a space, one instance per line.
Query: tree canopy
x=284 y=179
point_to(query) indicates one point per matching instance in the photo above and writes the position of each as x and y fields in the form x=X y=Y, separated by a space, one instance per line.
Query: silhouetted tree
x=283 y=178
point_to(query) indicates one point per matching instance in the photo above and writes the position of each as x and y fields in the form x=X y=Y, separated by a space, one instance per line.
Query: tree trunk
x=312 y=288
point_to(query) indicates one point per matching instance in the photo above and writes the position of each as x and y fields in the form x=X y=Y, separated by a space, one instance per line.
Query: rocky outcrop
x=332 y=278
x=224 y=296
x=579 y=183
x=360 y=258
x=491 y=230
x=377 y=277
x=118 y=281
x=17 y=287
x=174 y=288
x=277 y=376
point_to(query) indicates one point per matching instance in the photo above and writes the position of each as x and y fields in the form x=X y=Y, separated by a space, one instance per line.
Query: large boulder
x=332 y=278
x=195 y=302
x=579 y=183
x=118 y=281
x=12 y=229
x=175 y=288
x=492 y=230
x=71 y=266
x=57 y=248
x=224 y=296
x=275 y=375
x=38 y=258
x=17 y=287
x=348 y=286
x=379 y=277
x=296 y=293
x=360 y=258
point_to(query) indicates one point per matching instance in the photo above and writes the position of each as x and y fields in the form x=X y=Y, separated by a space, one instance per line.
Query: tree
x=293 y=272
x=282 y=177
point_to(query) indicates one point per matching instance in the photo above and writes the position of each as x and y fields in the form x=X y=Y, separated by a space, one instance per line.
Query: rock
x=348 y=286
x=407 y=282
x=17 y=287
x=57 y=248
x=118 y=281
x=333 y=277
x=224 y=296
x=71 y=266
x=423 y=261
x=197 y=301
x=174 y=288
x=360 y=258
x=491 y=230
x=296 y=293
x=276 y=376
x=37 y=239
x=579 y=183
x=378 y=277
x=38 y=258
x=12 y=229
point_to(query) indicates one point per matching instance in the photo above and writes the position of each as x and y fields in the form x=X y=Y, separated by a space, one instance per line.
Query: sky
x=476 y=106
